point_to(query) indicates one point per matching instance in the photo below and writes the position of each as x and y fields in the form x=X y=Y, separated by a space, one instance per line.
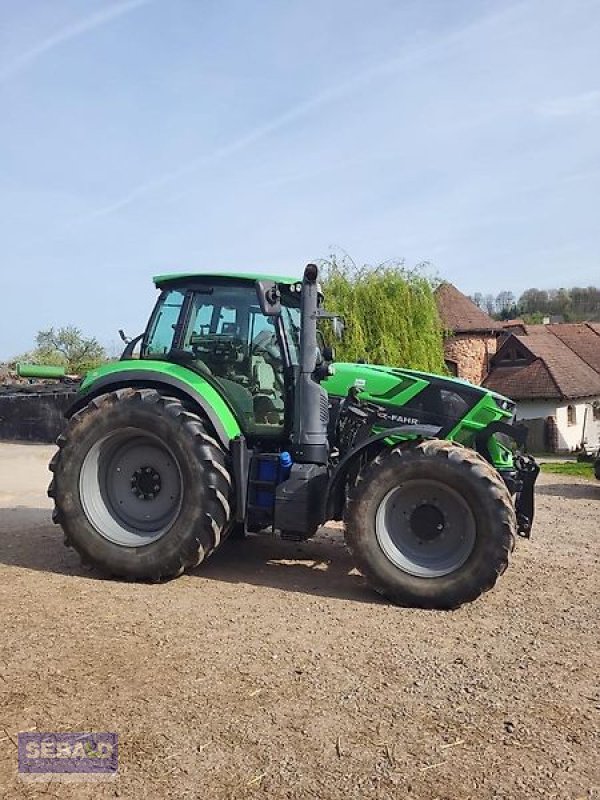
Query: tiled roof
x=572 y=375
x=459 y=314
x=530 y=382
x=582 y=339
x=550 y=369
x=512 y=326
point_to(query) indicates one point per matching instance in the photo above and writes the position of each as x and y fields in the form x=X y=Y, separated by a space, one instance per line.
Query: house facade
x=565 y=427
x=553 y=373
x=469 y=334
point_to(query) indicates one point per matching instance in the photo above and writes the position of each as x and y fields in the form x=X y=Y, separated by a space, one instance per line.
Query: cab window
x=161 y=331
x=235 y=345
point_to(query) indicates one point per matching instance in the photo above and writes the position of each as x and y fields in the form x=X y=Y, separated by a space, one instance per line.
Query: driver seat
x=263 y=375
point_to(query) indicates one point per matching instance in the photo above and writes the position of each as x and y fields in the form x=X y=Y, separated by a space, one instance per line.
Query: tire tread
x=212 y=523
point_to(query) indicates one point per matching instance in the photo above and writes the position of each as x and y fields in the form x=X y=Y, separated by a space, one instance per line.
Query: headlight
x=506 y=405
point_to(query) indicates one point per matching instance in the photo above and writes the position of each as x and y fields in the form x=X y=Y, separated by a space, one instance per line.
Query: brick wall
x=471 y=352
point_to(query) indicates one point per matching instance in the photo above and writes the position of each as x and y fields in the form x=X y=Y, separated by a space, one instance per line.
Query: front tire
x=141 y=489
x=430 y=525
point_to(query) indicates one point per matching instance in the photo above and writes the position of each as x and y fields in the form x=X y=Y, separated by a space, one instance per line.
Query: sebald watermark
x=67 y=756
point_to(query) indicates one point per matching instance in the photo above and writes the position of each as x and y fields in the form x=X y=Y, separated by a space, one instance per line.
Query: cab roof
x=161 y=281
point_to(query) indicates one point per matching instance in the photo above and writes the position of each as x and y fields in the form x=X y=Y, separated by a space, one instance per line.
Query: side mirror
x=130 y=346
x=337 y=327
x=269 y=298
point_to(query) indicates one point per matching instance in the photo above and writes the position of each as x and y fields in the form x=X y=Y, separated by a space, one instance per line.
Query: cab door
x=229 y=341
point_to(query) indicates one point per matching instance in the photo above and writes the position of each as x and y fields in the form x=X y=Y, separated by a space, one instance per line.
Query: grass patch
x=579 y=469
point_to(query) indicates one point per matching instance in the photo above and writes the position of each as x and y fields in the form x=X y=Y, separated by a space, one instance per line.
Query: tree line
x=573 y=305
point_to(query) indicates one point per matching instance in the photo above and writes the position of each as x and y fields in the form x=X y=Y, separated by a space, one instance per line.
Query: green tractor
x=234 y=420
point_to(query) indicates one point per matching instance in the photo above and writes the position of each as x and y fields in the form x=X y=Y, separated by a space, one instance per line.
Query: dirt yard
x=272 y=671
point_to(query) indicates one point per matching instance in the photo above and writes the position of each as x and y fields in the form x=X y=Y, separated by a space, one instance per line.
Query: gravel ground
x=272 y=671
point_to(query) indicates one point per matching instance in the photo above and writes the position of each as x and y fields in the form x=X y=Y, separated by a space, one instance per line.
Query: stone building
x=470 y=334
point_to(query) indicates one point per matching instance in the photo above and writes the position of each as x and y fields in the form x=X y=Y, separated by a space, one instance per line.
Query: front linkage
x=520 y=478
x=527 y=471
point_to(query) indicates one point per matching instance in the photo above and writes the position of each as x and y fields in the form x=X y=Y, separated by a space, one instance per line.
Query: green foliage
x=537 y=318
x=390 y=313
x=69 y=348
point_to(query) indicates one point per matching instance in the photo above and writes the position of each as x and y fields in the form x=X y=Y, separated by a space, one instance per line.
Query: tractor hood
x=393 y=387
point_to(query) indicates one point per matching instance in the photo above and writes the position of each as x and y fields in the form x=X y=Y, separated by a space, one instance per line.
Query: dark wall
x=33 y=413
x=542 y=435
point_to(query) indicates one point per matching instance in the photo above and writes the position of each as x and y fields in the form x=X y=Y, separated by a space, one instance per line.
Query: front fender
x=161 y=375
x=334 y=501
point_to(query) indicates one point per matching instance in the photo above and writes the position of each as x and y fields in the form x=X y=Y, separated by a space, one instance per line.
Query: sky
x=139 y=137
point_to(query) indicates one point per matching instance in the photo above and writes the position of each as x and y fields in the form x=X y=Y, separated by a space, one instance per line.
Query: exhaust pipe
x=311 y=407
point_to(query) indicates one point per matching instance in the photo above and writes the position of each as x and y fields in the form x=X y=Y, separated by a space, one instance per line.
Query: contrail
x=333 y=93
x=216 y=155
x=70 y=32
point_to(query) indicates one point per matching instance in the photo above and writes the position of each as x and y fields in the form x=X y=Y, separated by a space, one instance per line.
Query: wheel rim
x=130 y=487
x=425 y=528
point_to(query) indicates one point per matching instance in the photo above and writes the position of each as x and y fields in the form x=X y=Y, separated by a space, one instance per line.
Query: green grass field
x=578 y=469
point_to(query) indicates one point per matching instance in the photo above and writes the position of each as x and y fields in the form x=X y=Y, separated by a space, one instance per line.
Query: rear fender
x=166 y=378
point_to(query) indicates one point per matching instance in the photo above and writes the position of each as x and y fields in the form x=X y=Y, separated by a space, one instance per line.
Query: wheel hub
x=146 y=483
x=425 y=528
x=130 y=486
x=427 y=522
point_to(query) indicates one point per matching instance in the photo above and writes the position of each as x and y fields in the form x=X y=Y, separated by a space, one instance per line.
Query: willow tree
x=390 y=313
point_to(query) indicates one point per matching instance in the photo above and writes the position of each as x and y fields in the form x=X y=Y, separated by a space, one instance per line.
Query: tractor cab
x=224 y=328
x=243 y=335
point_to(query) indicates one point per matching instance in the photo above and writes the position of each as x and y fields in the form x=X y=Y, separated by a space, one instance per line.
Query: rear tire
x=141 y=489
x=431 y=525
